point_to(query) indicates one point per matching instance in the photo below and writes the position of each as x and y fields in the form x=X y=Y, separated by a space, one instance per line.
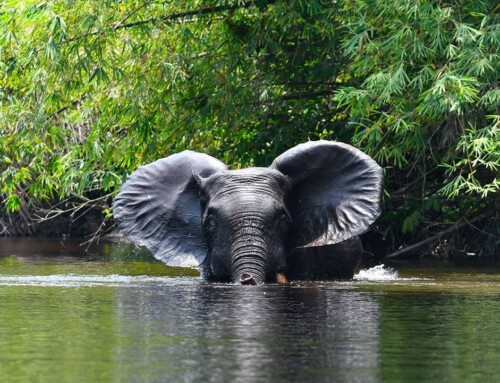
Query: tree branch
x=174 y=17
x=144 y=5
x=97 y=234
x=64 y=108
x=306 y=95
x=436 y=237
x=54 y=212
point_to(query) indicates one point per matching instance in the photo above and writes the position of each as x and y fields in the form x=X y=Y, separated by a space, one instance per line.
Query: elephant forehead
x=251 y=181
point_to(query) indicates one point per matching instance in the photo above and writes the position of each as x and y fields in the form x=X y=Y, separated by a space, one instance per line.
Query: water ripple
x=91 y=280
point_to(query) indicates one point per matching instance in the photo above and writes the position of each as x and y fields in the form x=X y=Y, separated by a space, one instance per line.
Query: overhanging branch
x=174 y=17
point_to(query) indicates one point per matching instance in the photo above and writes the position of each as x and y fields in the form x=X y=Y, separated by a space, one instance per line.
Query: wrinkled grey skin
x=246 y=221
x=300 y=217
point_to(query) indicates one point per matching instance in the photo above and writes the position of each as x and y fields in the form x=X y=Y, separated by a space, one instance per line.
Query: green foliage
x=422 y=95
x=91 y=90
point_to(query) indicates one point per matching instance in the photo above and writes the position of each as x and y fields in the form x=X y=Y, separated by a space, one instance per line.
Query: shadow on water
x=71 y=249
x=116 y=315
x=48 y=256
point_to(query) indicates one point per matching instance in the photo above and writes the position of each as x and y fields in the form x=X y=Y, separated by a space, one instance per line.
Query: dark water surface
x=108 y=314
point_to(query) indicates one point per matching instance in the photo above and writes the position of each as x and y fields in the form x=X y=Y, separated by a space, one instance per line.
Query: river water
x=112 y=314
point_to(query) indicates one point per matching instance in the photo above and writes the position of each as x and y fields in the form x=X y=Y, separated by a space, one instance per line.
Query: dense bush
x=91 y=90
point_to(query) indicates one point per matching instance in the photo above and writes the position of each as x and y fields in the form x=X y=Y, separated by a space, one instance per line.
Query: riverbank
x=461 y=241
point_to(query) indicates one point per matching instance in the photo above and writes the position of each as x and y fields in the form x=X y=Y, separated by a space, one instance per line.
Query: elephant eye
x=210 y=224
x=285 y=218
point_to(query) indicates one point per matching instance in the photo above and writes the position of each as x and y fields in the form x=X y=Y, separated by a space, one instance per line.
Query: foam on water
x=377 y=273
x=88 y=280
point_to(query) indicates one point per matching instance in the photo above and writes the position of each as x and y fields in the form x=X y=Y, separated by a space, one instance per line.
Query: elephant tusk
x=281 y=278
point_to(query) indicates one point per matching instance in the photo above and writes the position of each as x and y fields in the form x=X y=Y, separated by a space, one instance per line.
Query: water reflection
x=53 y=247
x=70 y=250
x=73 y=317
x=227 y=333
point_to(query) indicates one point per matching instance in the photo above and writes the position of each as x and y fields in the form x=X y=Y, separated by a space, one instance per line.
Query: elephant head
x=188 y=209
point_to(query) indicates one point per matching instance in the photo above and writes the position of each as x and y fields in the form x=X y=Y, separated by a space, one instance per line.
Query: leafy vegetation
x=91 y=90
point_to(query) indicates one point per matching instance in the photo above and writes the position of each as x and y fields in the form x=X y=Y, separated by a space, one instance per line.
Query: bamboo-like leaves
x=90 y=90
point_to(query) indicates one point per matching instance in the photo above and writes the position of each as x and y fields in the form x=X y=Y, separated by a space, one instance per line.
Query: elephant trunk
x=249 y=264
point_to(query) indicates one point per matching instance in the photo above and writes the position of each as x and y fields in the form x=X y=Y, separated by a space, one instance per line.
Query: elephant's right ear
x=159 y=207
x=336 y=193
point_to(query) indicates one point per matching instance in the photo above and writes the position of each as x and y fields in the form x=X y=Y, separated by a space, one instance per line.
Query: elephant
x=255 y=225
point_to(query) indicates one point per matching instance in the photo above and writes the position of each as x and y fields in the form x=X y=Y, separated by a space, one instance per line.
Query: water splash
x=377 y=273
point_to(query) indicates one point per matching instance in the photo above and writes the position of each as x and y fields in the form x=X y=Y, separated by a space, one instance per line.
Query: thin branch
x=174 y=17
x=131 y=14
x=481 y=231
x=64 y=108
x=96 y=235
x=53 y=213
x=436 y=237
x=4 y=228
x=306 y=95
x=411 y=184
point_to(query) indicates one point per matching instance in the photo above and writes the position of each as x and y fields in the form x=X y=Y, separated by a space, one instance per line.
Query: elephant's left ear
x=336 y=193
x=159 y=207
